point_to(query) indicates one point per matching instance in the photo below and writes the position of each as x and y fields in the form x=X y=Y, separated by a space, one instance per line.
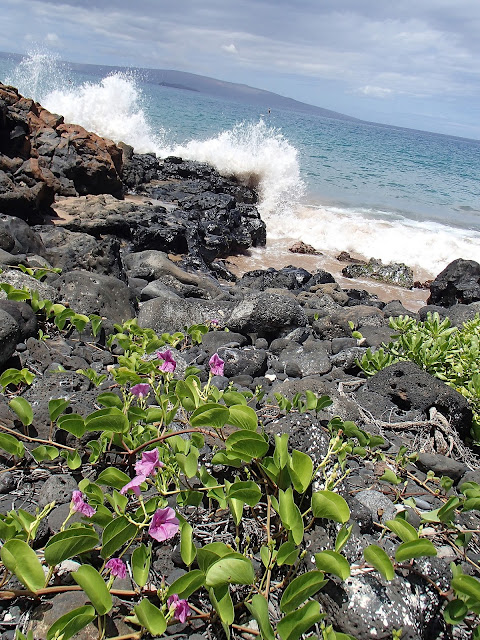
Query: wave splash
x=116 y=108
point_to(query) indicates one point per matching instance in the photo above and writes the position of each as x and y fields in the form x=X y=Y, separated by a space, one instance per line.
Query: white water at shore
x=260 y=155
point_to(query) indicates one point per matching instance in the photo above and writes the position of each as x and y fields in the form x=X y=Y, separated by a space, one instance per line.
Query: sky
x=411 y=63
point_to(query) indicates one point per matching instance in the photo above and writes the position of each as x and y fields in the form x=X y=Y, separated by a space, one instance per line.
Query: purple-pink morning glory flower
x=134 y=485
x=147 y=465
x=140 y=390
x=181 y=608
x=79 y=504
x=117 y=568
x=164 y=524
x=169 y=364
x=216 y=365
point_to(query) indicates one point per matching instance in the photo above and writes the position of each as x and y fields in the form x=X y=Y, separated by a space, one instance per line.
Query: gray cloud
x=360 y=51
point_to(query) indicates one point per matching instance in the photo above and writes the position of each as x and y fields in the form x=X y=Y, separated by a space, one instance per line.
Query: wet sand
x=277 y=255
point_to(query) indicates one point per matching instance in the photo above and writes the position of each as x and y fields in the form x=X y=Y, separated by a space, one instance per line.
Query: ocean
x=369 y=189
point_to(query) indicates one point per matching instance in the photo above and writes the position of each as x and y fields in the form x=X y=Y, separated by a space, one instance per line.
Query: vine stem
x=16 y=593
x=30 y=439
x=170 y=435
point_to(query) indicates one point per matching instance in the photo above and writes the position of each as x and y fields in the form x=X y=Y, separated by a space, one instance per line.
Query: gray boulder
x=458 y=282
x=266 y=314
x=298 y=361
x=9 y=335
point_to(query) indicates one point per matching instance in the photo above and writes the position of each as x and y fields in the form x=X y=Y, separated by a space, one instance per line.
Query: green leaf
x=222 y=603
x=71 y=623
x=109 y=419
x=229 y=460
x=343 y=537
x=246 y=445
x=333 y=562
x=22 y=560
x=23 y=409
x=56 y=407
x=12 y=445
x=109 y=399
x=280 y=455
x=402 y=529
x=150 y=617
x=188 y=463
x=115 y=535
x=113 y=477
x=296 y=623
x=327 y=504
x=259 y=610
x=287 y=553
x=455 y=612
x=45 y=452
x=94 y=586
x=210 y=415
x=188 y=550
x=212 y=552
x=290 y=515
x=73 y=423
x=248 y=492
x=465 y=585
x=390 y=476
x=141 y=558
x=377 y=557
x=302 y=588
x=187 y=584
x=230 y=570
x=243 y=417
x=415 y=549
x=74 y=460
x=233 y=397
x=301 y=470
x=70 y=543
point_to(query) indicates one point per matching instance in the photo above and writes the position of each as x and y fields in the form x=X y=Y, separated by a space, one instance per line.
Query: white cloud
x=52 y=40
x=374 y=92
x=230 y=48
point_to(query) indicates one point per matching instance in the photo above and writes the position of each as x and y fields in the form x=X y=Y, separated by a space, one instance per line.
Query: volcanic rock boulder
x=459 y=282
x=403 y=391
x=41 y=156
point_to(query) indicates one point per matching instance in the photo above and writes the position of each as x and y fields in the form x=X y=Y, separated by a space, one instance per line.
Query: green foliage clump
x=449 y=353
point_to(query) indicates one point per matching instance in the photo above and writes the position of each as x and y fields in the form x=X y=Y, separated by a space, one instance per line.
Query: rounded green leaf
x=12 y=445
x=141 y=558
x=333 y=562
x=23 y=409
x=287 y=553
x=302 y=588
x=109 y=419
x=290 y=515
x=243 y=417
x=222 y=603
x=415 y=549
x=94 y=586
x=377 y=557
x=187 y=584
x=109 y=399
x=113 y=477
x=259 y=610
x=455 y=612
x=188 y=550
x=115 y=535
x=71 y=623
x=236 y=570
x=56 y=407
x=150 y=617
x=233 y=397
x=343 y=537
x=402 y=529
x=45 y=452
x=73 y=423
x=248 y=492
x=246 y=444
x=210 y=415
x=296 y=623
x=327 y=504
x=301 y=470
x=22 y=560
x=467 y=586
x=70 y=543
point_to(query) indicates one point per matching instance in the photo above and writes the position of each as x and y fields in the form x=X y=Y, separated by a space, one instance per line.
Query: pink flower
x=169 y=364
x=79 y=504
x=140 y=390
x=181 y=608
x=134 y=485
x=216 y=365
x=146 y=466
x=164 y=524
x=117 y=568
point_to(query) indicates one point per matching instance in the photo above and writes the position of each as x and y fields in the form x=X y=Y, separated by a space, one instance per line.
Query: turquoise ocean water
x=373 y=190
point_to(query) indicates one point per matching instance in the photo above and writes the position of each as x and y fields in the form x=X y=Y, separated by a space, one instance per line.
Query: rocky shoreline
x=161 y=258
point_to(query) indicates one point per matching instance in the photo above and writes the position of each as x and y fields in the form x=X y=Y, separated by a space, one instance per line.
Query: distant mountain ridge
x=210 y=86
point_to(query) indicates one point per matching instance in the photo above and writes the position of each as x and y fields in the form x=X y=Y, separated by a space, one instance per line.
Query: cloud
x=52 y=40
x=374 y=92
x=230 y=48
